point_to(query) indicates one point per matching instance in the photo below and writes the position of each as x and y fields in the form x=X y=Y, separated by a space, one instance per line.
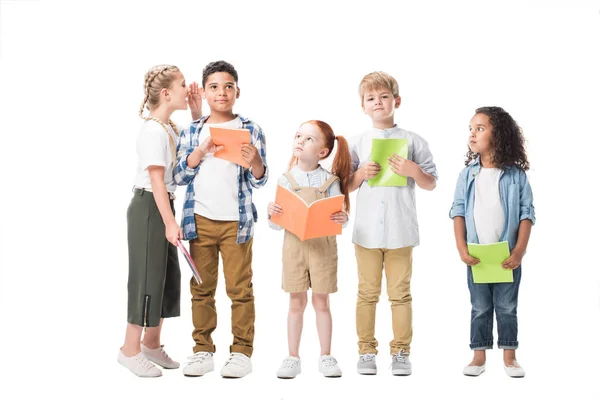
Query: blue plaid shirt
x=184 y=175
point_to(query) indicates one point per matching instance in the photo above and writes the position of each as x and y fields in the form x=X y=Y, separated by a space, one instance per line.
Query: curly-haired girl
x=493 y=202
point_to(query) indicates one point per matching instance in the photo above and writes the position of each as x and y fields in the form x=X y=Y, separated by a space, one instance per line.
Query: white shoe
x=514 y=371
x=474 y=370
x=199 y=364
x=401 y=365
x=329 y=367
x=160 y=357
x=366 y=364
x=237 y=366
x=290 y=367
x=139 y=365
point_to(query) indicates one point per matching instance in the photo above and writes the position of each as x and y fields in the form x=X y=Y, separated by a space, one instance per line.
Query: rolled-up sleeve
x=423 y=157
x=458 y=205
x=183 y=174
x=261 y=145
x=526 y=209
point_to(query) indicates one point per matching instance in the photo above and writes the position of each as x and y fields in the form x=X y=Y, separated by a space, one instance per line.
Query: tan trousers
x=216 y=237
x=397 y=264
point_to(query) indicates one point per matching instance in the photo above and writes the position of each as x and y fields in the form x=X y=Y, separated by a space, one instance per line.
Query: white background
x=70 y=86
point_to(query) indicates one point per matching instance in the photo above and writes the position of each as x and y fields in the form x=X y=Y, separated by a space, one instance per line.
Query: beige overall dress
x=312 y=263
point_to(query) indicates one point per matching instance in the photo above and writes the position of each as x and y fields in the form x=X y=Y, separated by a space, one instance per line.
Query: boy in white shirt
x=385 y=227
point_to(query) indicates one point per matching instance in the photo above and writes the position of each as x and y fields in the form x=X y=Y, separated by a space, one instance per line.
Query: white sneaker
x=401 y=365
x=199 y=364
x=366 y=364
x=139 y=365
x=474 y=370
x=290 y=367
x=237 y=366
x=160 y=357
x=514 y=371
x=329 y=367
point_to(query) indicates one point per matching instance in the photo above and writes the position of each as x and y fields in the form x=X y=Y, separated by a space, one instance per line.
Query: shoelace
x=367 y=357
x=164 y=354
x=198 y=357
x=329 y=362
x=144 y=362
x=400 y=357
x=289 y=363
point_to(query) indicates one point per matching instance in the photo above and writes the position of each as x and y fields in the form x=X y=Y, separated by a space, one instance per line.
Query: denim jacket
x=515 y=195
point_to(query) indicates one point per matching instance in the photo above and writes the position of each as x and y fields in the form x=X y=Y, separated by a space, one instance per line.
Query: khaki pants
x=216 y=237
x=397 y=264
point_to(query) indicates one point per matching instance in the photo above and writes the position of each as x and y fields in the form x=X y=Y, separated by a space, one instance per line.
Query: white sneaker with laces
x=401 y=365
x=290 y=368
x=329 y=367
x=366 y=364
x=199 y=364
x=237 y=366
x=160 y=357
x=139 y=365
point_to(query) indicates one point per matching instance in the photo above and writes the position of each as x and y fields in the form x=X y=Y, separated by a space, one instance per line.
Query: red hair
x=342 y=162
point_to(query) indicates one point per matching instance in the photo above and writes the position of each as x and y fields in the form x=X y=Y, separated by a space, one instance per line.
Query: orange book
x=231 y=140
x=307 y=221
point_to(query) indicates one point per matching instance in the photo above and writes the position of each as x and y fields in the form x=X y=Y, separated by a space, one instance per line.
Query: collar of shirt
x=385 y=133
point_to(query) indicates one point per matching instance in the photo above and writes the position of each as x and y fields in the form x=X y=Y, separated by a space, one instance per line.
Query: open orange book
x=231 y=140
x=304 y=221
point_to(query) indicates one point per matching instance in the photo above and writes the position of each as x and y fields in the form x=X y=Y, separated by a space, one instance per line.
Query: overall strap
x=324 y=187
x=292 y=181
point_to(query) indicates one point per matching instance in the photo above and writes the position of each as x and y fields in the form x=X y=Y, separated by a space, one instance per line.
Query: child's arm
x=183 y=173
x=367 y=171
x=340 y=217
x=274 y=208
x=422 y=168
x=161 y=197
x=189 y=158
x=527 y=218
x=256 y=156
x=411 y=169
x=516 y=255
x=457 y=213
x=460 y=235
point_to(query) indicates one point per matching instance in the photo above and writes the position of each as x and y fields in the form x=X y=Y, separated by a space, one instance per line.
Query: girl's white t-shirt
x=487 y=211
x=154 y=148
x=216 y=182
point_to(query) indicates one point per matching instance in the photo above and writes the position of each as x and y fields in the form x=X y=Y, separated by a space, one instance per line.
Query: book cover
x=307 y=221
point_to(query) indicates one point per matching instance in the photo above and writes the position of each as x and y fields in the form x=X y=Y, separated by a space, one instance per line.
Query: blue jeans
x=487 y=298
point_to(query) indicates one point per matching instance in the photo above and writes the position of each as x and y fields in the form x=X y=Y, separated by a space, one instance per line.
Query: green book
x=491 y=256
x=381 y=150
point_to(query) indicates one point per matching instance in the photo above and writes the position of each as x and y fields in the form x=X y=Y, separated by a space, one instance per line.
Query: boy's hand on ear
x=368 y=170
x=251 y=156
x=403 y=166
x=195 y=101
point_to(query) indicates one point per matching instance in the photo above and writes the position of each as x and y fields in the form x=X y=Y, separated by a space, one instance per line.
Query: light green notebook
x=381 y=150
x=491 y=256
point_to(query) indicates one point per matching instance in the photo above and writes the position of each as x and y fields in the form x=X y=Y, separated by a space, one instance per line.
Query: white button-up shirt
x=386 y=217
